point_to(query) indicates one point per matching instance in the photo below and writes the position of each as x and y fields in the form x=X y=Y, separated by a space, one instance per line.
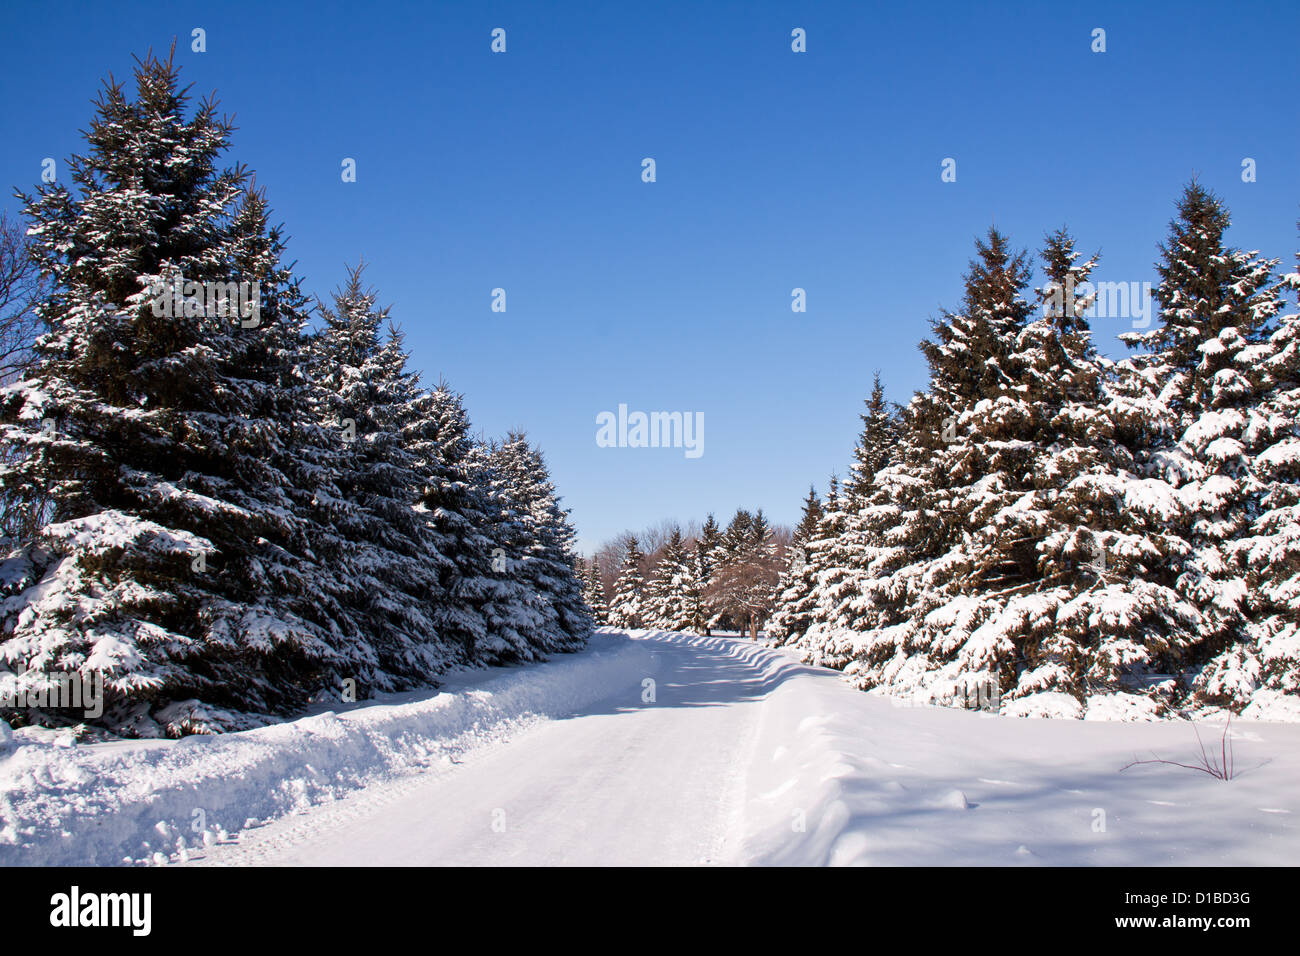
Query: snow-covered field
x=655 y=748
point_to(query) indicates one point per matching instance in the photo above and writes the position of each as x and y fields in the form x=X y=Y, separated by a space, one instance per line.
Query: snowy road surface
x=654 y=748
x=621 y=782
x=744 y=755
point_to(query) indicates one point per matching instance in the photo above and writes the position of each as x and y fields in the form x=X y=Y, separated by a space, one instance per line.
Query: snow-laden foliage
x=627 y=604
x=537 y=607
x=1068 y=528
x=1269 y=551
x=797 y=588
x=238 y=516
x=593 y=590
x=668 y=598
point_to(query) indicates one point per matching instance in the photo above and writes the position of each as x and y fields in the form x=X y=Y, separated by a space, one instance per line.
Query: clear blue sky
x=775 y=170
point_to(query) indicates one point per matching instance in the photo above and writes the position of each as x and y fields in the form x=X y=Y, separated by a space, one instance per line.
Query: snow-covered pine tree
x=1062 y=620
x=667 y=604
x=307 y=458
x=1270 y=553
x=899 y=526
x=811 y=514
x=559 y=579
x=563 y=586
x=985 y=487
x=1091 y=604
x=709 y=544
x=174 y=563
x=580 y=571
x=826 y=565
x=364 y=396
x=702 y=562
x=657 y=594
x=1216 y=304
x=515 y=613
x=874 y=449
x=794 y=602
x=709 y=552
x=460 y=515
x=538 y=547
x=963 y=456
x=739 y=532
x=627 y=604
x=845 y=556
x=708 y=548
x=593 y=591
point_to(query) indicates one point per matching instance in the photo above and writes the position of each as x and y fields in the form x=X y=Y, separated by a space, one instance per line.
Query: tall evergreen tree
x=796 y=590
x=593 y=592
x=708 y=554
x=627 y=605
x=537 y=540
x=796 y=614
x=1197 y=377
x=365 y=395
x=668 y=595
x=739 y=533
x=459 y=513
x=961 y=458
x=811 y=514
x=1083 y=607
x=174 y=563
x=1269 y=554
x=875 y=444
x=846 y=550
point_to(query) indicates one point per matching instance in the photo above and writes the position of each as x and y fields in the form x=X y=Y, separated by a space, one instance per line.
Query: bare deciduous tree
x=21 y=288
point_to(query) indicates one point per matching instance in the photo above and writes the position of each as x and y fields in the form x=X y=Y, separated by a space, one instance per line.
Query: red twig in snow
x=1222 y=769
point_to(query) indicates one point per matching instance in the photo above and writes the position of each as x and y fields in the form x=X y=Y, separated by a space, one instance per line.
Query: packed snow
x=652 y=747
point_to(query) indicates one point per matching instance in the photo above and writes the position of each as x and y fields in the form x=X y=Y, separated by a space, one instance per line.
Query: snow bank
x=138 y=801
x=864 y=779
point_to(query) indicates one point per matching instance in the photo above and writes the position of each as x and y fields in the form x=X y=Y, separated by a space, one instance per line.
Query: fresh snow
x=735 y=754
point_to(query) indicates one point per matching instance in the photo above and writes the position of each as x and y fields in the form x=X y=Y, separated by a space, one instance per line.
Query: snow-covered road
x=627 y=780
x=746 y=756
x=654 y=748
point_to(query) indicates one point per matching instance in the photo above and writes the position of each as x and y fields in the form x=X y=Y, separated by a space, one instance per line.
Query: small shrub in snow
x=1218 y=763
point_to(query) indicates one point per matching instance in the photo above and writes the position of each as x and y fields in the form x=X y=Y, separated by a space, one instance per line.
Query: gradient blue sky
x=775 y=170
